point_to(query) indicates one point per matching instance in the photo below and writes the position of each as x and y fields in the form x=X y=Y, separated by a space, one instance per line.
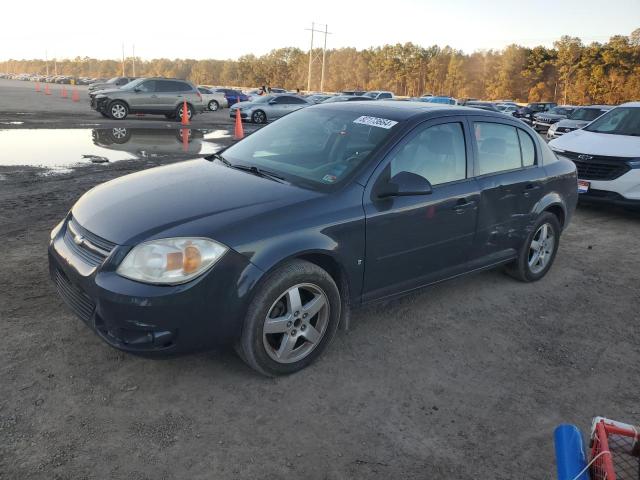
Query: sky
x=223 y=30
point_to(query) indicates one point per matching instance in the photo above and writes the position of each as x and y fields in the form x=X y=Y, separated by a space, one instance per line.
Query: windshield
x=370 y=94
x=619 y=121
x=560 y=111
x=586 y=114
x=320 y=147
x=112 y=80
x=133 y=84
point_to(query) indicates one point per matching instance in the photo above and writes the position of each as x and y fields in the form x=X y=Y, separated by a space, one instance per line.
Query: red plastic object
x=616 y=446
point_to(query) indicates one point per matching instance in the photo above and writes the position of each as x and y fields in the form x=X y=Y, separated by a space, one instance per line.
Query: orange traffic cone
x=185 y=113
x=64 y=92
x=185 y=132
x=239 y=131
x=47 y=90
x=38 y=87
x=75 y=95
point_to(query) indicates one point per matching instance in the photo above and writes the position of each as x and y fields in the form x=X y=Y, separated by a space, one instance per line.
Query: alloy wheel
x=296 y=323
x=541 y=248
x=118 y=111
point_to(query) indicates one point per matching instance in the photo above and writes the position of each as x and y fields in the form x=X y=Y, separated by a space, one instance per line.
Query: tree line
x=569 y=72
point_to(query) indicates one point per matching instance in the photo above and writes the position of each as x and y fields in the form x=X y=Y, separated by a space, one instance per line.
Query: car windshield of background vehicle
x=586 y=114
x=619 y=121
x=320 y=147
x=133 y=84
x=560 y=111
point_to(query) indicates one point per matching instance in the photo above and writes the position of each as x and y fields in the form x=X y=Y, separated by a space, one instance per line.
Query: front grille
x=78 y=301
x=598 y=167
x=91 y=248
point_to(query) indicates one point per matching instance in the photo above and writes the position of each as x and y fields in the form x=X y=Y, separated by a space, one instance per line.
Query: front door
x=416 y=240
x=144 y=96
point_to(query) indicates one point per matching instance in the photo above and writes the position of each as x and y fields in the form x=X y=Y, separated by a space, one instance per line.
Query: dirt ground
x=466 y=380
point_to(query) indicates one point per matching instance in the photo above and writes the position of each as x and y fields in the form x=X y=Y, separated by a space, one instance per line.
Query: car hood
x=106 y=91
x=192 y=198
x=567 y=123
x=583 y=141
x=550 y=116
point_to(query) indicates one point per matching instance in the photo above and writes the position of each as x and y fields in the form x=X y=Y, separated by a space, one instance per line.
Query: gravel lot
x=465 y=380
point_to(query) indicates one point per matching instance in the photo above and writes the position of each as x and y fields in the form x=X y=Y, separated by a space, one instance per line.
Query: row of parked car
x=61 y=79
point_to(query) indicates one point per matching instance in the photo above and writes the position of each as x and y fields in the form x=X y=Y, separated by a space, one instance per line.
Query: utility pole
x=46 y=61
x=311 y=56
x=324 y=56
x=133 y=52
x=123 y=60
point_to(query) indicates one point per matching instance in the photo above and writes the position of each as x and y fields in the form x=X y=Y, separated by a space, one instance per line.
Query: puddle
x=61 y=149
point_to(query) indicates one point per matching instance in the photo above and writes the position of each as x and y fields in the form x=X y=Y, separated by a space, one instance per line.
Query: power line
x=313 y=58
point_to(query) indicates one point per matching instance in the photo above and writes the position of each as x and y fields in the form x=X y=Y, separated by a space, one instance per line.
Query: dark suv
x=526 y=114
x=161 y=96
x=269 y=244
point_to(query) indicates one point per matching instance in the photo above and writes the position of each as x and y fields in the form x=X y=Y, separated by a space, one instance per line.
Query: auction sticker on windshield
x=375 y=122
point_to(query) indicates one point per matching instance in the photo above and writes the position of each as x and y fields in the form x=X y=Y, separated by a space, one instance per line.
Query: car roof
x=630 y=104
x=400 y=111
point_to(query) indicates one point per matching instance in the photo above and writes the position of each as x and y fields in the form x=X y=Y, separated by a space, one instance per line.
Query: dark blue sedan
x=270 y=243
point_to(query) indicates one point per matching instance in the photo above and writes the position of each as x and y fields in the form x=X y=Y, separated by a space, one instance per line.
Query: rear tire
x=179 y=112
x=301 y=324
x=539 y=250
x=214 y=106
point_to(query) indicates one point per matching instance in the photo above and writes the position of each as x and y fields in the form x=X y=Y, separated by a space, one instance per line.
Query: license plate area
x=583 y=186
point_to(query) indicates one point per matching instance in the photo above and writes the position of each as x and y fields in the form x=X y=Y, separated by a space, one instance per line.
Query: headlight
x=171 y=261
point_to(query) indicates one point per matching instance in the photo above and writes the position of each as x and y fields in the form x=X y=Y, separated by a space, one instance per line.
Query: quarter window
x=498 y=147
x=436 y=153
x=527 y=148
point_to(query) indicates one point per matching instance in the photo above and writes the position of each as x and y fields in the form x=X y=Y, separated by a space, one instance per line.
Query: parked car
x=232 y=96
x=507 y=108
x=579 y=118
x=318 y=97
x=347 y=98
x=439 y=99
x=543 y=120
x=357 y=93
x=160 y=96
x=213 y=100
x=482 y=105
x=115 y=82
x=526 y=113
x=149 y=142
x=268 y=107
x=330 y=208
x=379 y=95
x=607 y=155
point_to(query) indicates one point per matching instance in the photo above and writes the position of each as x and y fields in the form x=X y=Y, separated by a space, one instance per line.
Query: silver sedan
x=268 y=107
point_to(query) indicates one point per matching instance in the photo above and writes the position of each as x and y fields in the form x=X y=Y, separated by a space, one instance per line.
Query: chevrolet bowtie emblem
x=585 y=157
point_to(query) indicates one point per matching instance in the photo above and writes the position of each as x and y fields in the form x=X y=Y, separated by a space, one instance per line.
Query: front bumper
x=624 y=190
x=152 y=319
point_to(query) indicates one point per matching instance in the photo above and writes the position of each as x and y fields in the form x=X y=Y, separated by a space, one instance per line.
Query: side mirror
x=273 y=101
x=404 y=184
x=137 y=90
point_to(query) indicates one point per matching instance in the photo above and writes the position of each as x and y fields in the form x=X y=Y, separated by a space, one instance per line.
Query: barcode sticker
x=375 y=122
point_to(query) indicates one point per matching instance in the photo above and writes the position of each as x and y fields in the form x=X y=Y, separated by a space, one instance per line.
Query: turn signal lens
x=171 y=261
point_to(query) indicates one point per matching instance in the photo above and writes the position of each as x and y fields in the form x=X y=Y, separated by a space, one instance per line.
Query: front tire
x=539 y=250
x=214 y=106
x=259 y=117
x=179 y=112
x=118 y=110
x=292 y=318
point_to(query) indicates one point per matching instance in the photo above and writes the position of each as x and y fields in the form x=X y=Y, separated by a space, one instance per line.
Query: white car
x=607 y=155
x=379 y=95
x=213 y=100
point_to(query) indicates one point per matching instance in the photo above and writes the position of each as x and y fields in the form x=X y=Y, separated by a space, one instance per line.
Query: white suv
x=607 y=155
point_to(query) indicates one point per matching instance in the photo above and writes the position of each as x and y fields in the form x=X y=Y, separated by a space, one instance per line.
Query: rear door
x=170 y=94
x=511 y=182
x=416 y=240
x=284 y=104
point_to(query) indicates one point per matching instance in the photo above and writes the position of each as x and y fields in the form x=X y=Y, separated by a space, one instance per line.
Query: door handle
x=463 y=204
x=530 y=187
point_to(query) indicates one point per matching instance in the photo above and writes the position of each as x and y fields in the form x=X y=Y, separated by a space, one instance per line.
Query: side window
x=285 y=100
x=296 y=100
x=436 y=153
x=498 y=147
x=527 y=148
x=164 y=86
x=385 y=95
x=147 y=87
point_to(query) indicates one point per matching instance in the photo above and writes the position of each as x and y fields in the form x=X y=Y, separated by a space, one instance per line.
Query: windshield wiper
x=250 y=168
